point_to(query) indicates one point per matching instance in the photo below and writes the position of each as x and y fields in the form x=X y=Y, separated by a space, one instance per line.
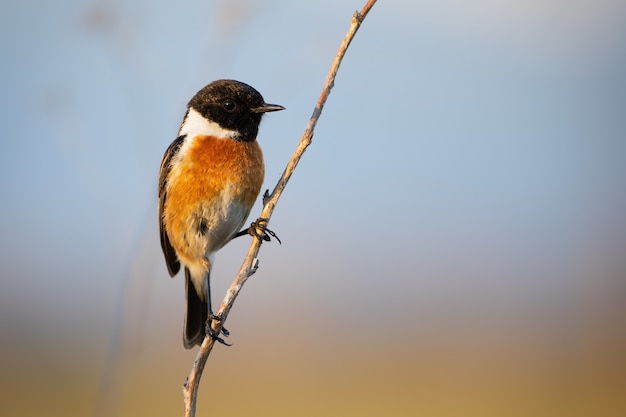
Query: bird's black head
x=233 y=105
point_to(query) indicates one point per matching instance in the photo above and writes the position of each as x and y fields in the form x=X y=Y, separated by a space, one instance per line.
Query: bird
x=210 y=177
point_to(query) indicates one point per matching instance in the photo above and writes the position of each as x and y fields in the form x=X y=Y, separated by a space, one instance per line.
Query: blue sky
x=470 y=160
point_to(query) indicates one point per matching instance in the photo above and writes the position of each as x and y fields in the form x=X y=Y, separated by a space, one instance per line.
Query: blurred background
x=454 y=239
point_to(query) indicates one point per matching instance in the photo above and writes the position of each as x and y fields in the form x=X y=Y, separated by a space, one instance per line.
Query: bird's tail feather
x=195 y=316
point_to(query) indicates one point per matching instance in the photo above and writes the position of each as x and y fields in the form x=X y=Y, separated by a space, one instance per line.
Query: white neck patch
x=196 y=124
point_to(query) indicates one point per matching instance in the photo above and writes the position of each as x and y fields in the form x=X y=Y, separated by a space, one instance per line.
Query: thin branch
x=249 y=265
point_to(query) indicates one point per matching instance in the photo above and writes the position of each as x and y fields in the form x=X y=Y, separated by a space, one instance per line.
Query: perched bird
x=210 y=177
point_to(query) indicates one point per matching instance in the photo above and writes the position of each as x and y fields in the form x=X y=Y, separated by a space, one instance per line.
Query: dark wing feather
x=173 y=264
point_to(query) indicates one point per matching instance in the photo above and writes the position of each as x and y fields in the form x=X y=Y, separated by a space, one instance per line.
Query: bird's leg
x=260 y=223
x=241 y=233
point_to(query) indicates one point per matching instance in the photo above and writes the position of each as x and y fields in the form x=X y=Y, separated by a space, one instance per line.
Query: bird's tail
x=195 y=316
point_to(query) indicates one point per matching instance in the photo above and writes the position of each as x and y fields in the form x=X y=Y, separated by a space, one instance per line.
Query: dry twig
x=248 y=267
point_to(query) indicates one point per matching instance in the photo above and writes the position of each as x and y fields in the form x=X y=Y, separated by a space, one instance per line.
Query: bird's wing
x=173 y=264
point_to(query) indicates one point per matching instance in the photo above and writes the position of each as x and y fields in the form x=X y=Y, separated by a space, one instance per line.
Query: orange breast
x=214 y=173
x=212 y=162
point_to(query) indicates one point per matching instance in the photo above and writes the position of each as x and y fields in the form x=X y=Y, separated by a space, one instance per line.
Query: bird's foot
x=265 y=233
x=216 y=335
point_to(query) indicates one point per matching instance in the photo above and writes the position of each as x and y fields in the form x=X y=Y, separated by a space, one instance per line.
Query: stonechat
x=210 y=178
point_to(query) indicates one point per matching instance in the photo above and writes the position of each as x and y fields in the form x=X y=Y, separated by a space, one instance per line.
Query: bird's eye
x=229 y=105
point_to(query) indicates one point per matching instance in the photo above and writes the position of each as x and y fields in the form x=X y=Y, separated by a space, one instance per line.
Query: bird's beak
x=266 y=108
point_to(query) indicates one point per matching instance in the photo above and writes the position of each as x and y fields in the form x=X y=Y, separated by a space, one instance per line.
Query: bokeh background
x=454 y=240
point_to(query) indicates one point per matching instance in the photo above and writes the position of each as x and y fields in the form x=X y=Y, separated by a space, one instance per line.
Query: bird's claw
x=216 y=335
x=265 y=233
